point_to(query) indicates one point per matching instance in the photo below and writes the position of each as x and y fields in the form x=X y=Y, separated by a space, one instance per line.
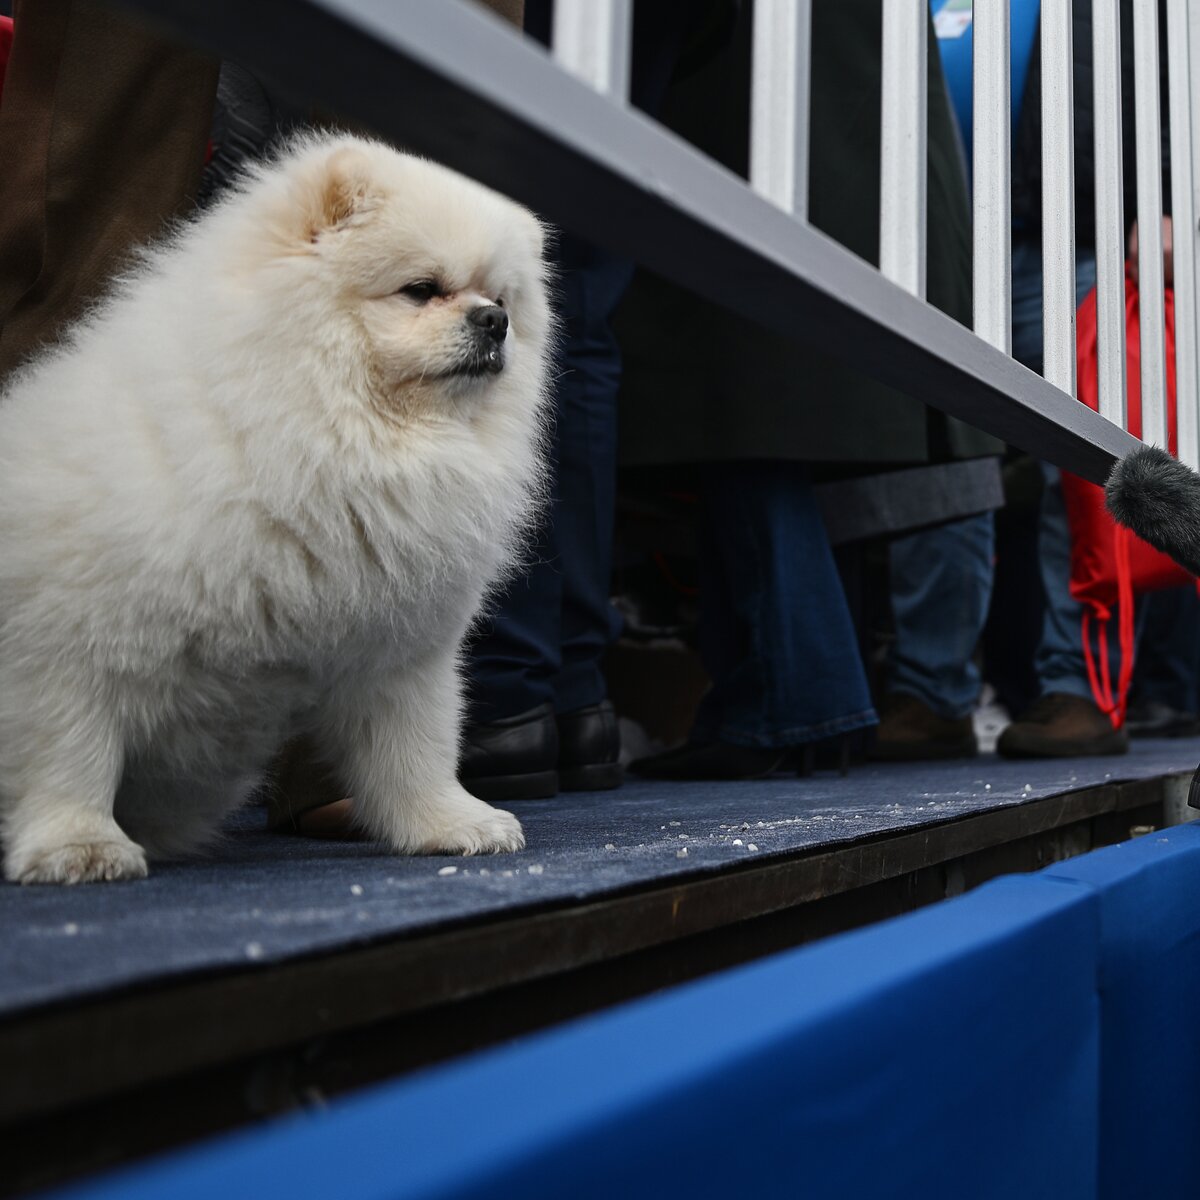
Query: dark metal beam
x=892 y=502
x=452 y=82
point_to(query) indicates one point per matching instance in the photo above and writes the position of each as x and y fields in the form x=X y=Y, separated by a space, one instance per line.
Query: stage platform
x=276 y=945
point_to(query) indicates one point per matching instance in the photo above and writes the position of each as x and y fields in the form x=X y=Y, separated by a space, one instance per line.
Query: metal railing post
x=1110 y=211
x=1058 y=196
x=592 y=40
x=904 y=165
x=1194 y=62
x=779 y=103
x=1148 y=124
x=1187 y=369
x=992 y=173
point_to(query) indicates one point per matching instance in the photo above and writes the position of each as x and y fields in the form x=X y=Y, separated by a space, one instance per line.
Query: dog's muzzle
x=489 y=329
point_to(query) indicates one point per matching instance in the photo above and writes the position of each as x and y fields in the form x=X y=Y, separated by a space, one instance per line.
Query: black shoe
x=716 y=760
x=589 y=749
x=512 y=759
x=1152 y=718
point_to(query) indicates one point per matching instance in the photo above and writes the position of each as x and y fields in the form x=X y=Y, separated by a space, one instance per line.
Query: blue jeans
x=941 y=584
x=775 y=632
x=1059 y=660
x=941 y=578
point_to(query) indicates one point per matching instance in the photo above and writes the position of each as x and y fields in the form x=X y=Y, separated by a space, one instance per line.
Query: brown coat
x=102 y=134
x=103 y=129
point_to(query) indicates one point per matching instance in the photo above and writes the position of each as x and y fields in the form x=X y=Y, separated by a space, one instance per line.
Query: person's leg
x=1164 y=701
x=538 y=716
x=531 y=665
x=592 y=284
x=1014 y=625
x=718 y=629
x=589 y=741
x=510 y=738
x=941 y=585
x=1065 y=721
x=785 y=660
x=1059 y=661
x=940 y=582
x=535 y=686
x=514 y=657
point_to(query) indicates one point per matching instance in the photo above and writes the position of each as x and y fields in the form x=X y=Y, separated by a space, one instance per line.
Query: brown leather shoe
x=910 y=731
x=1062 y=726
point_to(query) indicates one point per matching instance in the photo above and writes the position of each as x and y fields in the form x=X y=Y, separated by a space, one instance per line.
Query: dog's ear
x=344 y=191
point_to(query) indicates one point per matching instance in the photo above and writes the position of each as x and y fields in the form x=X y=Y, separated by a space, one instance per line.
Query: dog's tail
x=1158 y=498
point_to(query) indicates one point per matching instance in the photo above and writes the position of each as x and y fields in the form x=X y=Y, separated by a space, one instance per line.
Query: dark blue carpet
x=261 y=898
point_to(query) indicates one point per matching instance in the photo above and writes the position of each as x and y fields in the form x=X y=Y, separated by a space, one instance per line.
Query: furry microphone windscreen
x=1158 y=497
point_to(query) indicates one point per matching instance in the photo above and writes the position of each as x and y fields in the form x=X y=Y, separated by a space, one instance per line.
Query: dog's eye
x=499 y=301
x=422 y=291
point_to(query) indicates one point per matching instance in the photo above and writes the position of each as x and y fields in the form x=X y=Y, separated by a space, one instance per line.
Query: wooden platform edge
x=62 y=1056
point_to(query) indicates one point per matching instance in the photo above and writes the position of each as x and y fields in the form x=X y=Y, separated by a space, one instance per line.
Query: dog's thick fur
x=1158 y=497
x=261 y=490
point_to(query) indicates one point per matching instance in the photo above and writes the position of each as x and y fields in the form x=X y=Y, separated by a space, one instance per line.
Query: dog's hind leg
x=395 y=740
x=60 y=764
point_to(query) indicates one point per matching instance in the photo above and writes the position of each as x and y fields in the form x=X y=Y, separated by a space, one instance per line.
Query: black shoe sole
x=691 y=764
x=1175 y=729
x=1101 y=748
x=591 y=777
x=537 y=785
x=923 y=751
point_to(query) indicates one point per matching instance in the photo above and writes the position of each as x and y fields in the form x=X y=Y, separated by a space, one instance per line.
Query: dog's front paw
x=463 y=825
x=79 y=862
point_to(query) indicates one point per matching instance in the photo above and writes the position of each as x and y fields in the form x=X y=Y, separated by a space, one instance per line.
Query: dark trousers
x=776 y=635
x=546 y=634
x=1168 y=651
x=544 y=637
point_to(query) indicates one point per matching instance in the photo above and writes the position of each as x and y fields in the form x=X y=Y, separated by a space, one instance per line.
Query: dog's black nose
x=490 y=319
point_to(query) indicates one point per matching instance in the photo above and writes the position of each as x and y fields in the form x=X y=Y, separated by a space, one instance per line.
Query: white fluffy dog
x=263 y=489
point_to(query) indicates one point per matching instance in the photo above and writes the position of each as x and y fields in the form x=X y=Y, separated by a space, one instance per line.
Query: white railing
x=1110 y=210
x=557 y=132
x=1150 y=207
x=992 y=174
x=779 y=103
x=592 y=39
x=903 y=169
x=1182 y=28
